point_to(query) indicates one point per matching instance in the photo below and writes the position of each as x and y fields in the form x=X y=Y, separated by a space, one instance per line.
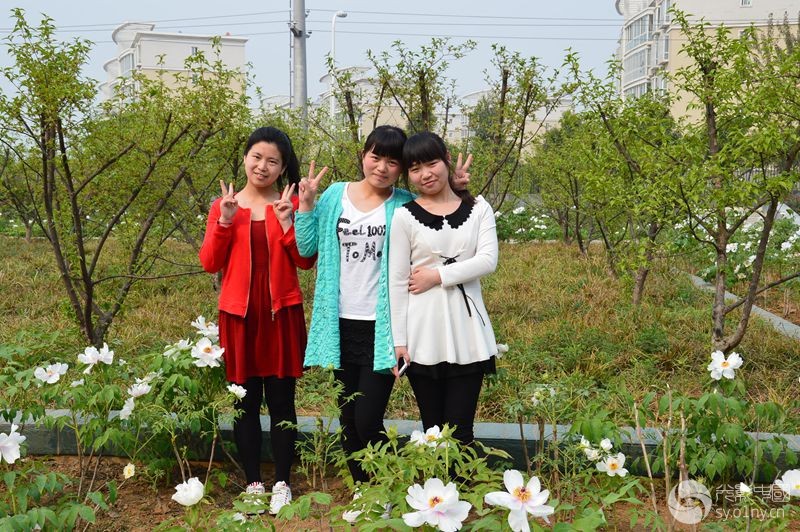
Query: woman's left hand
x=461 y=173
x=283 y=207
x=423 y=279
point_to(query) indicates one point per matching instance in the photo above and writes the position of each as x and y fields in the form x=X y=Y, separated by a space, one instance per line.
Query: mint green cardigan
x=315 y=232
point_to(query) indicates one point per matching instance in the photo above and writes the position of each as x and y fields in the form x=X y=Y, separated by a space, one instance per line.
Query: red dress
x=260 y=344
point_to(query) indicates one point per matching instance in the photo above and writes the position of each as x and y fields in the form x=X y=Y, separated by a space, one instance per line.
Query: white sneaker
x=281 y=496
x=351 y=515
x=257 y=490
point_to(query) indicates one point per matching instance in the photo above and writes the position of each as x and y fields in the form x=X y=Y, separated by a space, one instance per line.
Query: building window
x=126 y=65
x=665 y=47
x=747 y=3
x=194 y=50
x=665 y=11
x=635 y=65
x=638 y=31
x=638 y=90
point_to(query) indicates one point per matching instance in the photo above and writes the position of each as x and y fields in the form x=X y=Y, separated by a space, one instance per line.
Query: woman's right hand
x=307 y=191
x=400 y=351
x=228 y=205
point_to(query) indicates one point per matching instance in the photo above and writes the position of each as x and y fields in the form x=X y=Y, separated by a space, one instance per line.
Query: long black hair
x=273 y=135
x=427 y=146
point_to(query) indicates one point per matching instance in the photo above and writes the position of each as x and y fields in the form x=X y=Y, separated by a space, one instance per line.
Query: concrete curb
x=504 y=436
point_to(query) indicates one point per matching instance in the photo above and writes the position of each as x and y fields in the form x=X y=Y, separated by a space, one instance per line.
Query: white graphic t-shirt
x=361 y=240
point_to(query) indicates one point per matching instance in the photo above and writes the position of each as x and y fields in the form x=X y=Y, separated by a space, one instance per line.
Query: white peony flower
x=147 y=379
x=76 y=383
x=173 y=350
x=237 y=390
x=606 y=444
x=521 y=500
x=189 y=493
x=138 y=389
x=786 y=245
x=789 y=483
x=437 y=505
x=612 y=465
x=9 y=445
x=724 y=367
x=502 y=349
x=207 y=354
x=127 y=408
x=207 y=329
x=128 y=471
x=52 y=373
x=239 y=517
x=519 y=210
x=744 y=489
x=732 y=248
x=430 y=437
x=91 y=356
x=592 y=454
x=498 y=214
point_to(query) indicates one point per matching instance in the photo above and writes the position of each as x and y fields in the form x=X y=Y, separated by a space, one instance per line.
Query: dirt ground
x=140 y=506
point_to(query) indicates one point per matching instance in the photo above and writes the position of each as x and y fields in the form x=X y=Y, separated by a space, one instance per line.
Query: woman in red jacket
x=250 y=238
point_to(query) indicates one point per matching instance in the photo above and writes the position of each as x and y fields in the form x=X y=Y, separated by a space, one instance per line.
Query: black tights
x=362 y=417
x=453 y=401
x=279 y=395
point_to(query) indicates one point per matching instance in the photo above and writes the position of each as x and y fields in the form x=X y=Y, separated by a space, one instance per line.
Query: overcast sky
x=544 y=29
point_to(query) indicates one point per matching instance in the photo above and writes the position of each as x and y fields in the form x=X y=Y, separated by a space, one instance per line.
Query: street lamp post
x=338 y=14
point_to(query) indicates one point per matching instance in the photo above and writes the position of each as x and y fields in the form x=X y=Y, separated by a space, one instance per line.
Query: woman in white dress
x=441 y=244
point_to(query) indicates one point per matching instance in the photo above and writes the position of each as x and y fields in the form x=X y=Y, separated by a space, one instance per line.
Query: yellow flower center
x=613 y=466
x=430 y=437
x=797 y=486
x=207 y=349
x=522 y=494
x=725 y=363
x=433 y=501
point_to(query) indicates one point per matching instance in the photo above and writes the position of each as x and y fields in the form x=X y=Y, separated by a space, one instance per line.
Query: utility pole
x=299 y=82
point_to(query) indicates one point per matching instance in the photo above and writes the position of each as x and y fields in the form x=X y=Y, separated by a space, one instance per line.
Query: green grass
x=562 y=315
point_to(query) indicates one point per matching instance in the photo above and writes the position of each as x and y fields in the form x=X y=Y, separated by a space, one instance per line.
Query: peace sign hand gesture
x=283 y=207
x=308 y=187
x=461 y=174
x=228 y=206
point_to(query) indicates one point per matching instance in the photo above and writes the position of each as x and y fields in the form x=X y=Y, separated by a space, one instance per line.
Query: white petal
x=414 y=519
x=502 y=498
x=518 y=521
x=534 y=486
x=513 y=480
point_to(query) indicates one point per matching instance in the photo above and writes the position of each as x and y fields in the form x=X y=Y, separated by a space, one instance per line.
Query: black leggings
x=279 y=395
x=362 y=417
x=452 y=400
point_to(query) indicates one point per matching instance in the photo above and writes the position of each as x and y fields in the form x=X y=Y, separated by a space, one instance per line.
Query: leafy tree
x=741 y=156
x=114 y=184
x=416 y=81
x=504 y=123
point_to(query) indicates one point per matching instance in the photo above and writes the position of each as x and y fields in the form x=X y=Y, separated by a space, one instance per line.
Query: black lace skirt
x=357 y=339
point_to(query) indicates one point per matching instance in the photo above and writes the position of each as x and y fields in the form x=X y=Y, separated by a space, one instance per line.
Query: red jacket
x=228 y=249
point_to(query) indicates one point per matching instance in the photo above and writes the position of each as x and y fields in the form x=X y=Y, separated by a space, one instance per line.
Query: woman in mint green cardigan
x=350 y=328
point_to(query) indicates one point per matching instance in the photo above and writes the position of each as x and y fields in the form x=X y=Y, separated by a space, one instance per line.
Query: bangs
x=422 y=148
x=386 y=141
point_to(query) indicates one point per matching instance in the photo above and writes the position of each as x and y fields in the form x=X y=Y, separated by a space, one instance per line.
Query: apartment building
x=143 y=50
x=650 y=41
